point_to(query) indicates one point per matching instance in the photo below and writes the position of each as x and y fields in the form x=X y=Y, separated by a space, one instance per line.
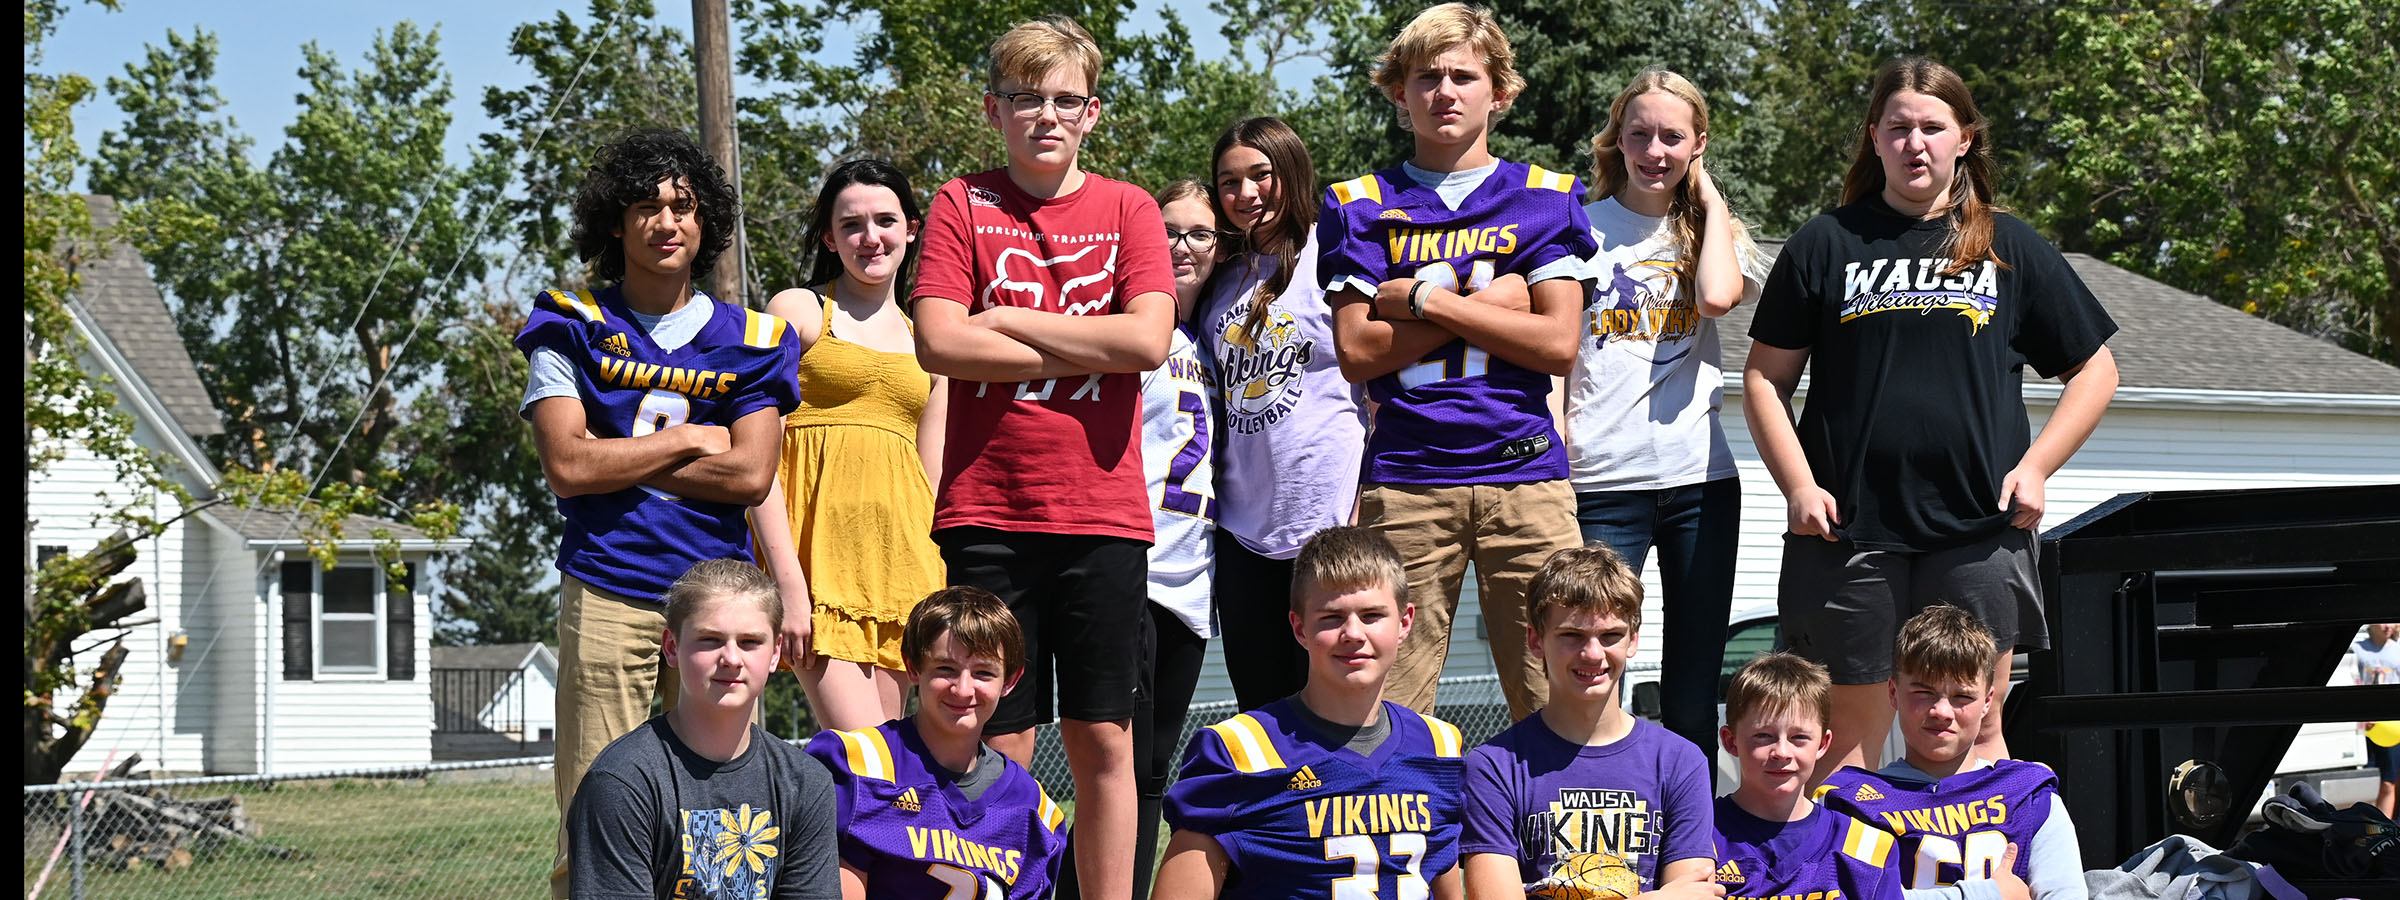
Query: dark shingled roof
x=2168 y=338
x=122 y=303
x=483 y=656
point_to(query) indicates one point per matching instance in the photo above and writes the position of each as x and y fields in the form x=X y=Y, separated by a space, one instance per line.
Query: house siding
x=2136 y=448
x=349 y=722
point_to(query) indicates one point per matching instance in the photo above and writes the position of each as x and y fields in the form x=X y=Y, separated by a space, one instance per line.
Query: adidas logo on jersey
x=908 y=801
x=1867 y=792
x=1400 y=214
x=615 y=343
x=1304 y=780
x=1729 y=873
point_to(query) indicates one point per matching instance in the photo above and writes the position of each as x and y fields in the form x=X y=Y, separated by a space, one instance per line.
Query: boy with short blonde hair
x=1334 y=789
x=1043 y=292
x=1455 y=279
x=1771 y=841
x=1967 y=827
x=925 y=808
x=660 y=804
x=1582 y=799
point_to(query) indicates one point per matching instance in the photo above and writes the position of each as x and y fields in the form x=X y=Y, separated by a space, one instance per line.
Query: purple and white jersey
x=1460 y=415
x=1825 y=856
x=637 y=541
x=1179 y=461
x=906 y=824
x=1956 y=829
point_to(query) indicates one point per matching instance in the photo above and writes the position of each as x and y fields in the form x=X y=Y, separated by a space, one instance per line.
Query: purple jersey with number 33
x=1955 y=829
x=1459 y=415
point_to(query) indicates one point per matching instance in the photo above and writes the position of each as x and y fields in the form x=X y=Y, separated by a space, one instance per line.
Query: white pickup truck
x=2329 y=756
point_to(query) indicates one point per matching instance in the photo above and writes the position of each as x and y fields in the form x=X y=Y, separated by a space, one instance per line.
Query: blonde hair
x=974 y=618
x=1029 y=52
x=1780 y=682
x=1687 y=219
x=1945 y=643
x=1348 y=558
x=713 y=581
x=1440 y=29
x=1587 y=579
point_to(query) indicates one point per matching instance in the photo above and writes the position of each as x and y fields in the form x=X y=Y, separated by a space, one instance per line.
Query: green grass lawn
x=355 y=839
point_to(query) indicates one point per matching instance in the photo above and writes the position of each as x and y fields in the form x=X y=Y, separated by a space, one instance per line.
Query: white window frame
x=318 y=615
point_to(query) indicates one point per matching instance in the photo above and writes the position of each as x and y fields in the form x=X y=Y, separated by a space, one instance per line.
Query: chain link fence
x=478 y=829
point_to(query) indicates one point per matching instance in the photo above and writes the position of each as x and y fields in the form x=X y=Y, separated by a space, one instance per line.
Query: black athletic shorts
x=1842 y=606
x=1079 y=599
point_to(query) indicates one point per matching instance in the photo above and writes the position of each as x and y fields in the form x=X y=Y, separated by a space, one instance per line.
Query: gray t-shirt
x=654 y=819
x=989 y=766
x=553 y=374
x=1361 y=740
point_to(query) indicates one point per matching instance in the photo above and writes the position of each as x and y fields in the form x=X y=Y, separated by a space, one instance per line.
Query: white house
x=2209 y=398
x=494 y=700
x=253 y=659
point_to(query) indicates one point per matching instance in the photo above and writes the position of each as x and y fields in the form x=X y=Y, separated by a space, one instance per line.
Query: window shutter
x=299 y=633
x=400 y=620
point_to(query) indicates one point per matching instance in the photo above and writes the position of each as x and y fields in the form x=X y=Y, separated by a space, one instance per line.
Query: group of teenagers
x=1030 y=449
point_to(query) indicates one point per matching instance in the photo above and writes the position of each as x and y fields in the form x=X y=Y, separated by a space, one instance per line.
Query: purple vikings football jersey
x=1460 y=415
x=637 y=541
x=1826 y=856
x=906 y=825
x=1955 y=829
x=1298 y=818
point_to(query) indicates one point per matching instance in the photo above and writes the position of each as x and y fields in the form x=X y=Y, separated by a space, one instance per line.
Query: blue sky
x=259 y=58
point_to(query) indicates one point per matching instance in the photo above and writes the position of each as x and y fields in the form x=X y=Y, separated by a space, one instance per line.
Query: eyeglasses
x=1198 y=240
x=1027 y=104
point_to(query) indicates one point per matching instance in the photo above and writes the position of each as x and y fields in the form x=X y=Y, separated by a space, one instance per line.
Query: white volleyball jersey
x=1177 y=459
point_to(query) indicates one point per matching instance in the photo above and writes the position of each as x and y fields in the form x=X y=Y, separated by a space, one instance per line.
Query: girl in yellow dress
x=846 y=530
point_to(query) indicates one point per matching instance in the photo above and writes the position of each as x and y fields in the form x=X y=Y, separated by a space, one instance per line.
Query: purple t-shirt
x=1577 y=817
x=1459 y=415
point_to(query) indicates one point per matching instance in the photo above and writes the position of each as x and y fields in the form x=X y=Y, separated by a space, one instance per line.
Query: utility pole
x=712 y=43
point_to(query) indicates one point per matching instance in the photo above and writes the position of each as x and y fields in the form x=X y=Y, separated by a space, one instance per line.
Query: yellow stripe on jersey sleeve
x=761 y=330
x=1867 y=843
x=1361 y=188
x=1252 y=749
x=1447 y=743
x=1538 y=177
x=868 y=755
x=1052 y=816
x=580 y=303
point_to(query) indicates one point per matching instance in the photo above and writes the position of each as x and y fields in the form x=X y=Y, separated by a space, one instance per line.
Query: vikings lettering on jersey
x=1459 y=415
x=637 y=541
x=1956 y=829
x=918 y=837
x=1297 y=818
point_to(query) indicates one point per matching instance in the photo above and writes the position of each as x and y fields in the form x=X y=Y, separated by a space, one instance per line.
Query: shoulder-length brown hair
x=1288 y=220
x=1970 y=240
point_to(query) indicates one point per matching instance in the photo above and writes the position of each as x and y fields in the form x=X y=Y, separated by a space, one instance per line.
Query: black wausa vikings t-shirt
x=1914 y=410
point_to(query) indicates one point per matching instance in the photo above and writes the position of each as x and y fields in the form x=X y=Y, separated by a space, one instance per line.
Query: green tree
x=2247 y=152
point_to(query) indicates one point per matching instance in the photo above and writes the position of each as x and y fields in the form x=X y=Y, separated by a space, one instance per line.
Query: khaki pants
x=608 y=671
x=1507 y=531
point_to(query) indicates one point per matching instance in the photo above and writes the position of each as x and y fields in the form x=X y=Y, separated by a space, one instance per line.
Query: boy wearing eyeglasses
x=1043 y=292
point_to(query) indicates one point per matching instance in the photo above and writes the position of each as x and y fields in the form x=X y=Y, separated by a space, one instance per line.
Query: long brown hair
x=1971 y=210
x=1288 y=220
x=1687 y=219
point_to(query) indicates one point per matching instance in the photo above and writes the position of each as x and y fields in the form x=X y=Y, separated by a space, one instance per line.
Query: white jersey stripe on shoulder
x=1247 y=742
x=1446 y=737
x=868 y=755
x=1867 y=843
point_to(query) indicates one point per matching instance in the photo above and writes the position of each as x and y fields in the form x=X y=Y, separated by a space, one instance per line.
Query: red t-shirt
x=1063 y=455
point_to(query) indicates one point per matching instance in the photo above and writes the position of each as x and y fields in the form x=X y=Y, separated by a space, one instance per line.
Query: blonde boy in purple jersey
x=1428 y=265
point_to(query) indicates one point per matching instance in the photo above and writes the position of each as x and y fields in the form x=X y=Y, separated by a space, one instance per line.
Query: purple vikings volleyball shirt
x=1299 y=819
x=1826 y=855
x=917 y=837
x=637 y=541
x=1955 y=829
x=1459 y=415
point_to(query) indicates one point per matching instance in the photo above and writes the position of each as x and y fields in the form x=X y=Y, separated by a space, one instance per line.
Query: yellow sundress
x=855 y=491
